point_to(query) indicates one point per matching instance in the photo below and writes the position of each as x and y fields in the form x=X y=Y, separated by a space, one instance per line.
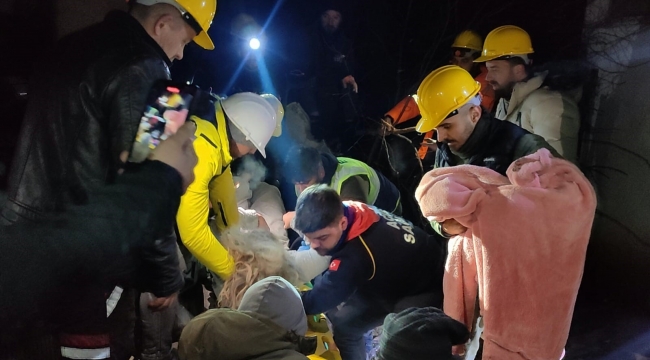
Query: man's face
x=330 y=21
x=318 y=178
x=324 y=240
x=301 y=186
x=240 y=150
x=466 y=62
x=501 y=76
x=172 y=34
x=455 y=130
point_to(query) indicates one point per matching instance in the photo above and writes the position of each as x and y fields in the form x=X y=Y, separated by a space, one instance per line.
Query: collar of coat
x=523 y=89
x=121 y=19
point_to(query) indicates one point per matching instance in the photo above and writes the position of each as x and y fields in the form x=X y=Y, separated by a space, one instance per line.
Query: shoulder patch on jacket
x=334 y=265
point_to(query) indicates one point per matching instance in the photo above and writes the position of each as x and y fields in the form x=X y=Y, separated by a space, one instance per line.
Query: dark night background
x=396 y=43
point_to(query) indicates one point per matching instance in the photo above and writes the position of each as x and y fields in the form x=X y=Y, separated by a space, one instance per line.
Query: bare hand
x=432 y=145
x=162 y=303
x=178 y=152
x=453 y=227
x=288 y=217
x=349 y=80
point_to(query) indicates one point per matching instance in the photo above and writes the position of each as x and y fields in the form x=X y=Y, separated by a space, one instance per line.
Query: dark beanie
x=420 y=333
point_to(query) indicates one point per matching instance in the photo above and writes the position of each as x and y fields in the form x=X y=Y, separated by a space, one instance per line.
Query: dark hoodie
x=270 y=324
x=381 y=256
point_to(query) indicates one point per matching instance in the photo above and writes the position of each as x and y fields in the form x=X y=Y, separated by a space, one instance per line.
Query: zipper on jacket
x=223 y=216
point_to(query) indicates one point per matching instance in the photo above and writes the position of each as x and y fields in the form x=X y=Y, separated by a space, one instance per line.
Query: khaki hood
x=237 y=335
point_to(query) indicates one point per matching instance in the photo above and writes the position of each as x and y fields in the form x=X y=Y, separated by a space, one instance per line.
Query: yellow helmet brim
x=203 y=40
x=485 y=58
x=425 y=125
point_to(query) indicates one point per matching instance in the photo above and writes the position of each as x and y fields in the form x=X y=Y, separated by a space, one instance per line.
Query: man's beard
x=330 y=30
x=506 y=91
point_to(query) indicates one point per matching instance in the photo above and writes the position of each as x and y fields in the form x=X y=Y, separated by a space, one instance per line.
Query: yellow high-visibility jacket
x=213 y=183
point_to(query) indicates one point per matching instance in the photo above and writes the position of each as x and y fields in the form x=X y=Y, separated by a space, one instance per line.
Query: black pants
x=80 y=329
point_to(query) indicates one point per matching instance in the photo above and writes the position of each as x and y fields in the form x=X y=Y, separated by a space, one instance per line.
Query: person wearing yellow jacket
x=244 y=124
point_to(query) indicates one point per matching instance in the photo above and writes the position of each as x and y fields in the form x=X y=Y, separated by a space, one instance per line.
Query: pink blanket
x=523 y=253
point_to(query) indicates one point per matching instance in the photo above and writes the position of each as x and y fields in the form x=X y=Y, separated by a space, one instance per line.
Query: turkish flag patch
x=334 y=265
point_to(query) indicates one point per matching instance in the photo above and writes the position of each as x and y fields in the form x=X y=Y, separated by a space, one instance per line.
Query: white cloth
x=309 y=263
x=265 y=200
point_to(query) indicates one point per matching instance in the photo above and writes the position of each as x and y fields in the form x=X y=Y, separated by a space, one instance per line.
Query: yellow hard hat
x=506 y=40
x=442 y=92
x=279 y=109
x=197 y=13
x=468 y=39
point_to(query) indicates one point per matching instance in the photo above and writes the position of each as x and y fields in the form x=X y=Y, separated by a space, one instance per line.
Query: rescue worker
x=380 y=264
x=525 y=100
x=449 y=101
x=81 y=117
x=245 y=123
x=466 y=48
x=352 y=179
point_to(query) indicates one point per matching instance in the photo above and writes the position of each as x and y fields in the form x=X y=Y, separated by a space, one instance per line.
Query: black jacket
x=84 y=110
x=330 y=60
x=494 y=144
x=46 y=266
x=380 y=256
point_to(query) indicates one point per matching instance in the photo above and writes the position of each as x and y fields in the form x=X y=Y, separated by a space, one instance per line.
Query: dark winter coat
x=84 y=111
x=45 y=266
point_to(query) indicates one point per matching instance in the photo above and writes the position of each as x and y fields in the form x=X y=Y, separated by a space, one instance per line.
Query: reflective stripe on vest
x=96 y=354
x=350 y=167
x=112 y=300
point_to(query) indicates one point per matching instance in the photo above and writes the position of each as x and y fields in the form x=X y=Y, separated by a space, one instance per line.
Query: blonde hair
x=257 y=254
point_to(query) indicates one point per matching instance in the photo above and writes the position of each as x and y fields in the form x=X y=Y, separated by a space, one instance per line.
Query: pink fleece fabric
x=523 y=253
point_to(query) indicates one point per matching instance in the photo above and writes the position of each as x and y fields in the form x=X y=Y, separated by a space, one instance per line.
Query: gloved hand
x=317 y=324
x=332 y=352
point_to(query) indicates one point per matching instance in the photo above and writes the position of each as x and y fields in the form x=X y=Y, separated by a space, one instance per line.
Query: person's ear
x=163 y=21
x=344 y=223
x=520 y=71
x=475 y=113
x=321 y=172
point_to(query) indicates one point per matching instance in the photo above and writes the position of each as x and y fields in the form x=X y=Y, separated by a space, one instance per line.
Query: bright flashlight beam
x=237 y=72
x=254 y=43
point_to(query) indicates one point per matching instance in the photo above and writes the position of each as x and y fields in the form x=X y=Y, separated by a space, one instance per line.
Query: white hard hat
x=279 y=109
x=253 y=115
